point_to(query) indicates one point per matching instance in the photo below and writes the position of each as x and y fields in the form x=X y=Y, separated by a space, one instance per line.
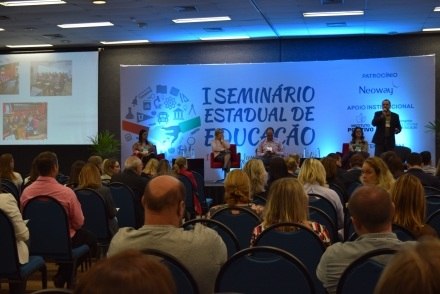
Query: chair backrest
x=432 y=204
x=225 y=233
x=434 y=221
x=299 y=241
x=240 y=220
x=9 y=265
x=402 y=233
x=201 y=191
x=264 y=270
x=95 y=213
x=431 y=190
x=189 y=201
x=324 y=204
x=185 y=283
x=9 y=187
x=362 y=274
x=49 y=228
x=124 y=199
x=319 y=216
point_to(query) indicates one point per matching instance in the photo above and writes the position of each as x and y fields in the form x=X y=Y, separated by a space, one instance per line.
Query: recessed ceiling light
x=201 y=19
x=333 y=13
x=97 y=2
x=29 y=46
x=32 y=2
x=437 y=9
x=2 y=29
x=225 y=38
x=85 y=25
x=431 y=30
x=124 y=42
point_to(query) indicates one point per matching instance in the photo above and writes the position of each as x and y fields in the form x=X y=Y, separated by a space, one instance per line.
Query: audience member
x=111 y=166
x=269 y=147
x=258 y=177
x=414 y=269
x=96 y=160
x=415 y=168
x=352 y=178
x=201 y=250
x=45 y=184
x=371 y=211
x=427 y=163
x=128 y=272
x=7 y=170
x=288 y=203
x=33 y=174
x=131 y=176
x=90 y=178
x=277 y=169
x=181 y=168
x=394 y=163
x=312 y=176
x=409 y=199
x=331 y=176
x=220 y=148
x=164 y=167
x=293 y=162
x=75 y=169
x=376 y=173
x=150 y=169
x=237 y=193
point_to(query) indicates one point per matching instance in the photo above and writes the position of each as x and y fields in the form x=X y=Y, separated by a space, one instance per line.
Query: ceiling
x=152 y=20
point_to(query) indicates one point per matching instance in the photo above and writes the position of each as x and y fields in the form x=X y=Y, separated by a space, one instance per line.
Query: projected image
x=9 y=79
x=24 y=121
x=51 y=78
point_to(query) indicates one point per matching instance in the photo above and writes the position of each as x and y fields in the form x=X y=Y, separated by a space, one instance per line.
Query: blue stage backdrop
x=312 y=106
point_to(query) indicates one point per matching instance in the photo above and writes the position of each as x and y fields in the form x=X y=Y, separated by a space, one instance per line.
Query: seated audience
x=427 y=163
x=220 y=148
x=111 y=166
x=409 y=199
x=150 y=169
x=352 y=178
x=131 y=176
x=394 y=163
x=129 y=272
x=277 y=169
x=164 y=167
x=96 y=160
x=237 y=193
x=90 y=178
x=258 y=176
x=333 y=180
x=181 y=168
x=414 y=269
x=415 y=168
x=376 y=173
x=292 y=162
x=312 y=176
x=33 y=175
x=46 y=184
x=7 y=170
x=75 y=169
x=371 y=211
x=288 y=203
x=201 y=250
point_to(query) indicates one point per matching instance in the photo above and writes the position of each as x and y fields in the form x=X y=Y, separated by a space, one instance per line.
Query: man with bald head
x=201 y=250
x=371 y=210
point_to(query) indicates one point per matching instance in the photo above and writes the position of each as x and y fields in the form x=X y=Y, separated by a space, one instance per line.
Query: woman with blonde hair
x=90 y=178
x=376 y=172
x=313 y=178
x=288 y=203
x=237 y=193
x=409 y=199
x=111 y=166
x=257 y=174
x=150 y=169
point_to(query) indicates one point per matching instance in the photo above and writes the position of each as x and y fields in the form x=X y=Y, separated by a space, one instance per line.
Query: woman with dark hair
x=75 y=169
x=143 y=147
x=7 y=170
x=277 y=169
x=358 y=142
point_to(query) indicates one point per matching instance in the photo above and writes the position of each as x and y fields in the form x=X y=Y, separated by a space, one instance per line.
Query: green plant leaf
x=105 y=145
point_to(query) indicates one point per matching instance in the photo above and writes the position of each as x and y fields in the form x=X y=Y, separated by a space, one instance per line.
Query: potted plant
x=105 y=145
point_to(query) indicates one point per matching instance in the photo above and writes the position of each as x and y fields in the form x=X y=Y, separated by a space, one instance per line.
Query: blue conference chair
x=95 y=217
x=124 y=199
x=319 y=216
x=241 y=221
x=361 y=275
x=9 y=187
x=325 y=205
x=299 y=241
x=434 y=221
x=259 y=270
x=10 y=268
x=185 y=283
x=49 y=233
x=204 y=201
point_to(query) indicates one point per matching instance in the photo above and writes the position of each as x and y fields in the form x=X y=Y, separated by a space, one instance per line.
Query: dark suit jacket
x=426 y=179
x=379 y=123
